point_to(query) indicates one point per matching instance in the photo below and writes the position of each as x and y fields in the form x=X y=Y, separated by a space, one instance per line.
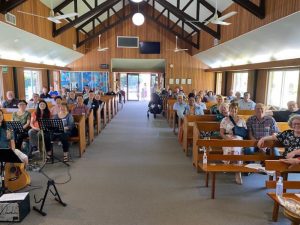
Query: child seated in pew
x=226 y=133
x=289 y=138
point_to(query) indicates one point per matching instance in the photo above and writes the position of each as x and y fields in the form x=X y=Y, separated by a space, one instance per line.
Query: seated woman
x=24 y=117
x=215 y=108
x=223 y=111
x=227 y=134
x=68 y=123
x=42 y=112
x=289 y=138
x=80 y=108
x=193 y=108
x=7 y=140
x=56 y=108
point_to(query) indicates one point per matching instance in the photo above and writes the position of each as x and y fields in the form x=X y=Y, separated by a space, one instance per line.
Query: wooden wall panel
x=40 y=26
x=244 y=21
x=21 y=82
x=261 y=86
x=185 y=66
x=8 y=82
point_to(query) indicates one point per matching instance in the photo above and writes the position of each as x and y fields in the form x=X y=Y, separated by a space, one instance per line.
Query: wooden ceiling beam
x=6 y=6
x=185 y=17
x=98 y=9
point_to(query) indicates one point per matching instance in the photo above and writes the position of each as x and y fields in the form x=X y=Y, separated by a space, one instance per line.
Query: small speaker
x=127 y=42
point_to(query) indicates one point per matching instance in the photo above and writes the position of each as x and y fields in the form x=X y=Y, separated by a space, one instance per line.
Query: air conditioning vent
x=10 y=18
x=127 y=42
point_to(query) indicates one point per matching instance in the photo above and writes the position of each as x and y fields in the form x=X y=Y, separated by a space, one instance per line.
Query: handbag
x=239 y=131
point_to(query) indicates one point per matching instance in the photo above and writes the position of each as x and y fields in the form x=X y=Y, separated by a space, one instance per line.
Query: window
x=33 y=83
x=282 y=87
x=240 y=82
x=219 y=84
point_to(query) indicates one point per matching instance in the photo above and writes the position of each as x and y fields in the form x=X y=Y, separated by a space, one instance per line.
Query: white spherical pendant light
x=138 y=19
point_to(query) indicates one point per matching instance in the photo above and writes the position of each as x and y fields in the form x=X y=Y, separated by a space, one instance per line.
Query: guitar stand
x=54 y=193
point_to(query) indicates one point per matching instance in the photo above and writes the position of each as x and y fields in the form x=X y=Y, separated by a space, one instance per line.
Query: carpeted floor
x=135 y=173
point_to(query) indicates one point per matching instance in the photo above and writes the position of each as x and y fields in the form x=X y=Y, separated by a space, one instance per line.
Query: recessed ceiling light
x=16 y=40
x=137 y=1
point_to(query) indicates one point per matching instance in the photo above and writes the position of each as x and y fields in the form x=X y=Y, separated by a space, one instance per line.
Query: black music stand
x=16 y=126
x=51 y=127
x=7 y=155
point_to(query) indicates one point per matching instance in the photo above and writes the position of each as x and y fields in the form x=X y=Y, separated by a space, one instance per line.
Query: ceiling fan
x=220 y=20
x=99 y=47
x=176 y=49
x=52 y=17
x=216 y=19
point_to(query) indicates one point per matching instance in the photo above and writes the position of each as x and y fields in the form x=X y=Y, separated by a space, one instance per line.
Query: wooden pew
x=80 y=125
x=283 y=169
x=246 y=112
x=198 y=127
x=170 y=111
x=188 y=124
x=215 y=164
x=99 y=119
x=90 y=122
x=282 y=126
x=107 y=100
x=210 y=104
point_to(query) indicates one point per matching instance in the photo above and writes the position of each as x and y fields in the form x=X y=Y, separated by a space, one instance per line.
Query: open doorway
x=138 y=86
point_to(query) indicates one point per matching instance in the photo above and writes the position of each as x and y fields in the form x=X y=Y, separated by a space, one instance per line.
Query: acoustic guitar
x=16 y=176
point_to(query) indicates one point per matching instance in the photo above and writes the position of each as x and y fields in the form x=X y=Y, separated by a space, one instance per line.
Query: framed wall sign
x=183 y=81
x=171 y=81
x=189 y=81
x=177 y=81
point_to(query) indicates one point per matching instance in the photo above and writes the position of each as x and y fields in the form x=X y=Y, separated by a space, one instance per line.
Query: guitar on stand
x=16 y=177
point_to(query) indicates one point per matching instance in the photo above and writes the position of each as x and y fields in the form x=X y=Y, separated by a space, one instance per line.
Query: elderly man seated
x=260 y=126
x=283 y=116
x=246 y=103
x=11 y=102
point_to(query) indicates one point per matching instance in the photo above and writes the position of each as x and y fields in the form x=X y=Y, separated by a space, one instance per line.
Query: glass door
x=133 y=87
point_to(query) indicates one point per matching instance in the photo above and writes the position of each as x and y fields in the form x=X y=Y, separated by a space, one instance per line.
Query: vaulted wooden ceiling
x=186 y=19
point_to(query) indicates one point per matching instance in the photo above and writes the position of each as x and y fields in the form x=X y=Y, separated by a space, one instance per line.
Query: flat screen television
x=149 y=47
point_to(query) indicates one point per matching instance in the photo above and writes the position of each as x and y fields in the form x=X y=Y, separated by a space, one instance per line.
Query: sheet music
x=13 y=197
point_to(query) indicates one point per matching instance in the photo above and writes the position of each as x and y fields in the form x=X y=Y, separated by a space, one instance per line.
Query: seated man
x=283 y=116
x=260 y=126
x=92 y=103
x=72 y=98
x=246 y=103
x=33 y=103
x=11 y=102
x=180 y=107
x=45 y=93
x=52 y=92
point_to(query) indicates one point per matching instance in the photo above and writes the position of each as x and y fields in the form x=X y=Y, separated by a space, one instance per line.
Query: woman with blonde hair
x=226 y=133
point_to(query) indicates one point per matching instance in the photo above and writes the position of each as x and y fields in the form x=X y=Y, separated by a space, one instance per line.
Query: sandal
x=66 y=158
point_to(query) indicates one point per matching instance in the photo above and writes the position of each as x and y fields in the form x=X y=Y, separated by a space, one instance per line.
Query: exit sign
x=4 y=69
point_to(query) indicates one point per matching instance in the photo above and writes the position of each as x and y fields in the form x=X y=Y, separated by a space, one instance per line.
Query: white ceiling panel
x=19 y=45
x=278 y=40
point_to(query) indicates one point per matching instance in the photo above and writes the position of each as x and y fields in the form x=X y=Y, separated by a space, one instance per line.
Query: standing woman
x=24 y=117
x=68 y=123
x=42 y=112
x=7 y=139
x=227 y=134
